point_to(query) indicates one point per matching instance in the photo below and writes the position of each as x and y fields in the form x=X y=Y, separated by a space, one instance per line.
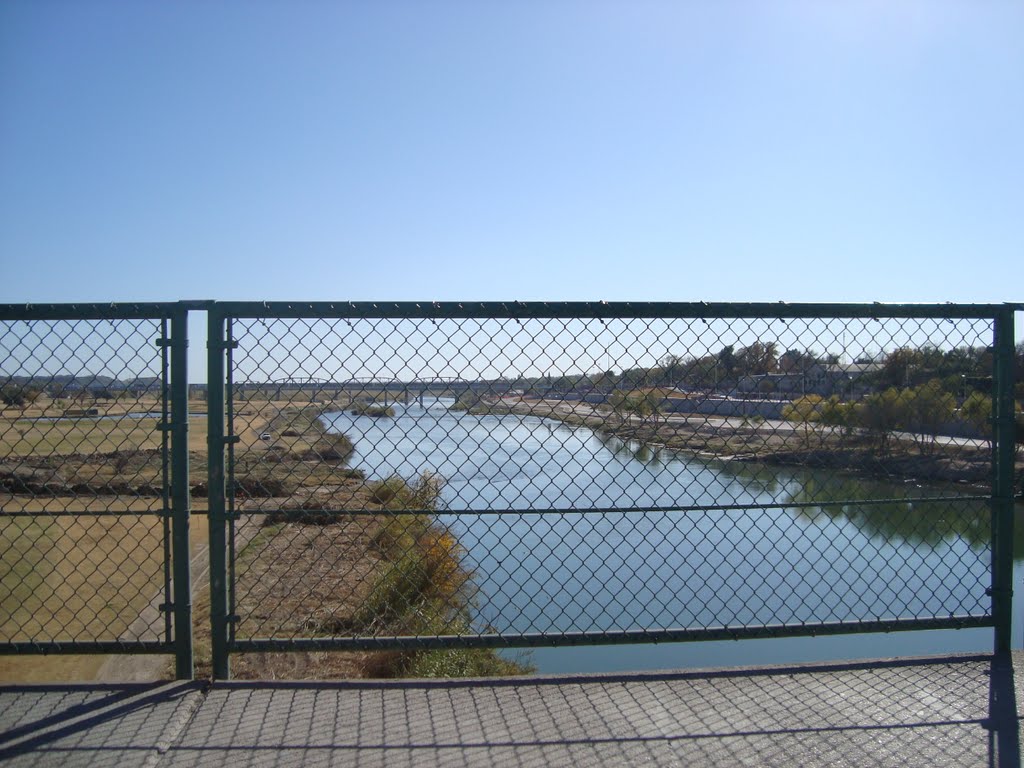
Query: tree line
x=919 y=412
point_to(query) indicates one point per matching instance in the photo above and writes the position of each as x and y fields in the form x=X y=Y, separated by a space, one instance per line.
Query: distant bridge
x=404 y=390
x=418 y=388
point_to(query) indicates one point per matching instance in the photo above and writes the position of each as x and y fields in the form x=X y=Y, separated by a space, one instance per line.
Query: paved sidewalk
x=950 y=711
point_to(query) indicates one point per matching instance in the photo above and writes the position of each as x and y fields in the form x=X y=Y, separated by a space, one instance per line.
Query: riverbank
x=331 y=562
x=773 y=443
x=285 y=460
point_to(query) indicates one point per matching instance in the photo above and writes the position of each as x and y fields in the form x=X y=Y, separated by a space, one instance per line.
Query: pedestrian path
x=948 y=711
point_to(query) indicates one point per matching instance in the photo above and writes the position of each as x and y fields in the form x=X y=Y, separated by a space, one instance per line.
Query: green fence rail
x=401 y=480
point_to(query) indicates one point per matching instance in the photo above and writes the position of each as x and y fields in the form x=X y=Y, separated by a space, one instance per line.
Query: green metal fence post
x=180 y=497
x=1002 y=496
x=218 y=519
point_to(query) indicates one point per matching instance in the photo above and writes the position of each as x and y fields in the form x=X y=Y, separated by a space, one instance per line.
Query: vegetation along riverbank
x=809 y=437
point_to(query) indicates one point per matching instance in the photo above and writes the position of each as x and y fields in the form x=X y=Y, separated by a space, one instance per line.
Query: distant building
x=823 y=379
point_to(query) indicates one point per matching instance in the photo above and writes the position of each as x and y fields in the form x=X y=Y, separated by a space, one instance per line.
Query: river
x=571 y=571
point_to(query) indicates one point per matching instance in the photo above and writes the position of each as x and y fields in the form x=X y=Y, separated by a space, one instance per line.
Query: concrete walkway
x=949 y=711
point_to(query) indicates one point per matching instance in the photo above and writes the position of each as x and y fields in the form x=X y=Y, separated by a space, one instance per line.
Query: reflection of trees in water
x=629 y=449
x=898 y=512
x=920 y=521
x=904 y=512
x=826 y=485
x=756 y=479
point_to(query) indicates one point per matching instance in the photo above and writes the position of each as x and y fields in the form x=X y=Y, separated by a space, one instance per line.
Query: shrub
x=372 y=409
x=923 y=412
x=396 y=492
x=804 y=410
x=878 y=415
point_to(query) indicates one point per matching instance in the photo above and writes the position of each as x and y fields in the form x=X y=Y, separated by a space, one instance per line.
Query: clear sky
x=836 y=151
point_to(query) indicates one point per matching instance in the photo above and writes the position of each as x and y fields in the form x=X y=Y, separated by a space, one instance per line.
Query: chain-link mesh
x=521 y=479
x=84 y=481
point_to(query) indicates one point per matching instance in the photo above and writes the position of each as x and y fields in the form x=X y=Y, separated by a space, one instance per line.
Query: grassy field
x=89 y=576
x=67 y=577
x=79 y=578
x=86 y=576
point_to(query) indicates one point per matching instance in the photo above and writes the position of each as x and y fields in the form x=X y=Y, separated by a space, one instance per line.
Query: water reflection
x=630 y=449
x=907 y=512
x=884 y=550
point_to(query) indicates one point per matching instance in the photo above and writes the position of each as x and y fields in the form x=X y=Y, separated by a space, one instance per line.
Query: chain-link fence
x=397 y=478
x=417 y=476
x=86 y=479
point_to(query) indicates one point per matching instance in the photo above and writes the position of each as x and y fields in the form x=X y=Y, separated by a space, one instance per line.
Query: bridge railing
x=521 y=514
x=534 y=492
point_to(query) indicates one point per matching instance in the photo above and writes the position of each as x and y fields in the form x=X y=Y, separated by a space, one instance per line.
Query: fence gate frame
x=175 y=510
x=221 y=441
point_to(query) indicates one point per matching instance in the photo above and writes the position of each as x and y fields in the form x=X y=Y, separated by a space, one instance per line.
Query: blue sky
x=527 y=150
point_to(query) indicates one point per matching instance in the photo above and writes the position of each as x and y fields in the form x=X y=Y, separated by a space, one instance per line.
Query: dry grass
x=751 y=440
x=319 y=575
x=25 y=437
x=79 y=578
x=291 y=577
x=87 y=577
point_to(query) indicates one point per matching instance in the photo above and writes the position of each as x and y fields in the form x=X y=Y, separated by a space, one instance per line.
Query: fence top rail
x=501 y=309
x=601 y=309
x=95 y=311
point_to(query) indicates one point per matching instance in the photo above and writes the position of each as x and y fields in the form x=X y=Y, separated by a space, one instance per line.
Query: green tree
x=897 y=366
x=923 y=412
x=650 y=403
x=727 y=358
x=878 y=415
x=672 y=369
x=804 y=410
x=977 y=411
x=13 y=396
x=796 y=361
x=838 y=413
x=620 y=404
x=643 y=405
x=759 y=357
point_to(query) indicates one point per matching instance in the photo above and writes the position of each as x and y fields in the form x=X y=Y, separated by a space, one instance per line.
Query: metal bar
x=99 y=646
x=298 y=513
x=165 y=470
x=1002 y=496
x=215 y=444
x=157 y=310
x=305 y=512
x=536 y=639
x=180 y=497
x=582 y=310
x=84 y=513
x=93 y=311
x=230 y=440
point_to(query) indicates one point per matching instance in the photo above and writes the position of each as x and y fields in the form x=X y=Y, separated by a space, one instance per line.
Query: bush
x=977 y=411
x=372 y=409
x=335 y=449
x=804 y=410
x=878 y=415
x=837 y=413
x=396 y=492
x=923 y=412
x=468 y=401
x=13 y=396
